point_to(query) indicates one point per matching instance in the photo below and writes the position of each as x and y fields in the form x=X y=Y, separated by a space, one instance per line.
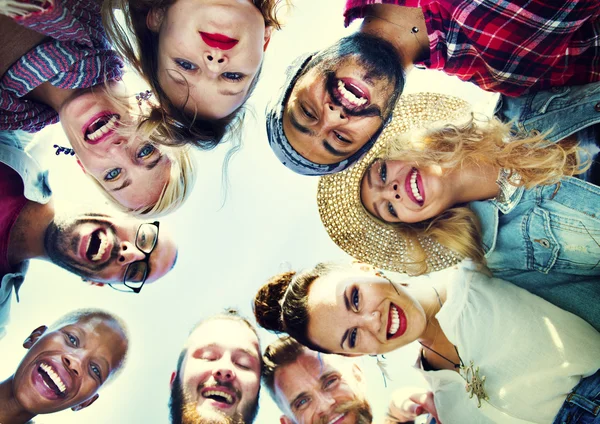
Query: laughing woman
x=547 y=371
x=441 y=185
x=56 y=64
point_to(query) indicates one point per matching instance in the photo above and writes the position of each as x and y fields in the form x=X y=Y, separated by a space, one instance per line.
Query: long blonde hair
x=485 y=142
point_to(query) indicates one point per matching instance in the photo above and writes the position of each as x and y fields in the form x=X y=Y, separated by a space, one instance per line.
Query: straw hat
x=356 y=231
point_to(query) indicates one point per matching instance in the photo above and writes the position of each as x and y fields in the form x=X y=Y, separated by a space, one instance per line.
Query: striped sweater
x=77 y=54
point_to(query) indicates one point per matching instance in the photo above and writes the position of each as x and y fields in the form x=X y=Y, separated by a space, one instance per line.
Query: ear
x=173 y=375
x=362 y=266
x=358 y=374
x=81 y=166
x=34 y=336
x=285 y=420
x=154 y=19
x=268 y=33
x=85 y=404
x=92 y=282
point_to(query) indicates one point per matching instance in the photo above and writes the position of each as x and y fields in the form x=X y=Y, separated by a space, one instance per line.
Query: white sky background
x=268 y=224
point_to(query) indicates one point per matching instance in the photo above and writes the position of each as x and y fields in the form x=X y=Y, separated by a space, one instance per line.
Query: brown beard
x=360 y=407
x=190 y=415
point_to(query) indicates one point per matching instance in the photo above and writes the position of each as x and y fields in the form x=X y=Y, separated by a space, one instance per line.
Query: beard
x=190 y=415
x=359 y=407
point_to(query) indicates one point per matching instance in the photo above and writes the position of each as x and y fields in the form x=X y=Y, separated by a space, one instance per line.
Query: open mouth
x=396 y=322
x=414 y=187
x=351 y=94
x=100 y=127
x=337 y=419
x=52 y=380
x=221 y=397
x=218 y=41
x=97 y=246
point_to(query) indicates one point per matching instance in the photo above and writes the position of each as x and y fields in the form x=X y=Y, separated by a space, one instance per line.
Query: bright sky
x=269 y=223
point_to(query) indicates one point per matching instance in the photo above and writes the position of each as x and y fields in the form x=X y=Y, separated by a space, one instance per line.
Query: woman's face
x=132 y=171
x=357 y=312
x=209 y=52
x=397 y=191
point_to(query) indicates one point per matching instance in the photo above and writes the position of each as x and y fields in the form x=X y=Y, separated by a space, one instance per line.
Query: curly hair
x=482 y=142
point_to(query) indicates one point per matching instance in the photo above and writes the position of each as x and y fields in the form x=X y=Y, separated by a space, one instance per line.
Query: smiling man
x=218 y=373
x=313 y=388
x=117 y=250
x=65 y=366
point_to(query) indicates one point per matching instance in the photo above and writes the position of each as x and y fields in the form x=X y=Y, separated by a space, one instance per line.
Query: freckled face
x=356 y=314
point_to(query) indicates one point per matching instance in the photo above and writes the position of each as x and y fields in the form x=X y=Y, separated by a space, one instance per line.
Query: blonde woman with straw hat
x=442 y=184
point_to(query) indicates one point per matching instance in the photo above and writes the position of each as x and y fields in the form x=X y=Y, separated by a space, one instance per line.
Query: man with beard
x=313 y=388
x=218 y=373
x=513 y=48
x=120 y=251
x=65 y=366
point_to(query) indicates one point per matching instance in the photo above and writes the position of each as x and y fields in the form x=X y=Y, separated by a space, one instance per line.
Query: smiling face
x=397 y=191
x=101 y=248
x=66 y=367
x=340 y=103
x=313 y=390
x=132 y=171
x=220 y=374
x=211 y=50
x=365 y=314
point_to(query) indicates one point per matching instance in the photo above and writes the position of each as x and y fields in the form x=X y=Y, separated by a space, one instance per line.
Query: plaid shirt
x=77 y=55
x=505 y=46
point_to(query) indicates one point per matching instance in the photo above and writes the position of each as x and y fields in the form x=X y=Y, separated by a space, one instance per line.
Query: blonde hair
x=485 y=142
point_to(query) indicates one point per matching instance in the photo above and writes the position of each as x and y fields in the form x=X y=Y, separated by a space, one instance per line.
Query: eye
x=354 y=299
x=392 y=211
x=185 y=65
x=330 y=382
x=383 y=172
x=352 y=338
x=209 y=356
x=306 y=112
x=112 y=175
x=74 y=341
x=300 y=403
x=339 y=137
x=232 y=76
x=145 y=151
x=96 y=370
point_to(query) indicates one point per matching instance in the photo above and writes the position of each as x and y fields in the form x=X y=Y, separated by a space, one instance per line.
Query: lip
x=83 y=244
x=403 y=323
x=340 y=419
x=356 y=87
x=41 y=387
x=218 y=41
x=408 y=189
x=91 y=121
x=215 y=403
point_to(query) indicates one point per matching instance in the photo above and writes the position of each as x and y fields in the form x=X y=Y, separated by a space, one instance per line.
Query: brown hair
x=281 y=352
x=281 y=305
x=172 y=124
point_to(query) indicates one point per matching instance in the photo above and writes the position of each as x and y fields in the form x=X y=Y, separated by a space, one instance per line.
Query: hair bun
x=267 y=307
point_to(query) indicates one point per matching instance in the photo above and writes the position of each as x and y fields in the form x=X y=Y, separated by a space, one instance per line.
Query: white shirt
x=531 y=352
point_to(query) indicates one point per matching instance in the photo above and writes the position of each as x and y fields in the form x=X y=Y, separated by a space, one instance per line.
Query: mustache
x=361 y=408
x=331 y=83
x=225 y=384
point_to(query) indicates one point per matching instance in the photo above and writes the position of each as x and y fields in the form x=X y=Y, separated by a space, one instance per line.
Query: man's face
x=339 y=104
x=220 y=374
x=66 y=367
x=100 y=247
x=310 y=391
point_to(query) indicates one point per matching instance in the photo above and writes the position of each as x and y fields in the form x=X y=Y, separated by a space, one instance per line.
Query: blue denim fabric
x=582 y=405
x=547 y=240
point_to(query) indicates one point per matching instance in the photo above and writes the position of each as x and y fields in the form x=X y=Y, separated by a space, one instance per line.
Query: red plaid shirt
x=508 y=46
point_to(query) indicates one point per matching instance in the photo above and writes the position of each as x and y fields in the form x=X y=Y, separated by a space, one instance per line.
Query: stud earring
x=143 y=95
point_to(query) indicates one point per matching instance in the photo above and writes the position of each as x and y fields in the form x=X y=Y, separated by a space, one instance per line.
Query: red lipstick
x=218 y=41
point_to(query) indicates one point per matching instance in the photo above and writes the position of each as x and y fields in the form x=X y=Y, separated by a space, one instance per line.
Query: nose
x=72 y=363
x=129 y=253
x=215 y=60
x=324 y=403
x=224 y=373
x=392 y=191
x=372 y=322
x=333 y=116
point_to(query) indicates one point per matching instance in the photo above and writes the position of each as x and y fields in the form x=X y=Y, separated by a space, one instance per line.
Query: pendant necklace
x=475 y=382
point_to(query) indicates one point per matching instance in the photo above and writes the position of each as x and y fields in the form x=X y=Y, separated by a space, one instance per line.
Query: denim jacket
x=547 y=240
x=36 y=189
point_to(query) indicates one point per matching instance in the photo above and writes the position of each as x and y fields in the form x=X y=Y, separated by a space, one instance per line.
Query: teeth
x=102 y=248
x=414 y=187
x=109 y=126
x=227 y=396
x=395 y=317
x=54 y=376
x=348 y=95
x=336 y=418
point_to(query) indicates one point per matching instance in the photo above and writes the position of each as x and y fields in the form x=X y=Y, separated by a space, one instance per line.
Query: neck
x=474 y=182
x=52 y=96
x=26 y=239
x=11 y=411
x=397 y=24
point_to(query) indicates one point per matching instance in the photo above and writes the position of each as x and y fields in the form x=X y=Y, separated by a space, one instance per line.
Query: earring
x=67 y=151
x=143 y=95
x=414 y=30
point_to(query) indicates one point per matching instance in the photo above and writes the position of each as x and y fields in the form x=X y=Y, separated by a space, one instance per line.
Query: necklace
x=475 y=383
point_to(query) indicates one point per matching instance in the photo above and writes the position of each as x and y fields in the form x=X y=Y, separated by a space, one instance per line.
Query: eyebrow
x=370 y=184
x=299 y=126
x=127 y=183
x=331 y=149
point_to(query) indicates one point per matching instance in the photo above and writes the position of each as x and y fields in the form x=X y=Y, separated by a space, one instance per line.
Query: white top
x=531 y=352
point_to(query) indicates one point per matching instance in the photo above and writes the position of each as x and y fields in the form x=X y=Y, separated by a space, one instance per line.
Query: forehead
x=226 y=333
x=101 y=335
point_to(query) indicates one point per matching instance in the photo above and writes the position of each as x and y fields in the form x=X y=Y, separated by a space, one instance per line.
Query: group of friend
x=506 y=207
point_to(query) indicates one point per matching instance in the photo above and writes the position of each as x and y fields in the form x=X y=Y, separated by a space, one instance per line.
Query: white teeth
x=395 y=317
x=414 y=187
x=109 y=126
x=227 y=396
x=54 y=376
x=336 y=418
x=348 y=95
x=102 y=248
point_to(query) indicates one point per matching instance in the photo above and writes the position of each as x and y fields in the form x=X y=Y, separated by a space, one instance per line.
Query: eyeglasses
x=137 y=272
